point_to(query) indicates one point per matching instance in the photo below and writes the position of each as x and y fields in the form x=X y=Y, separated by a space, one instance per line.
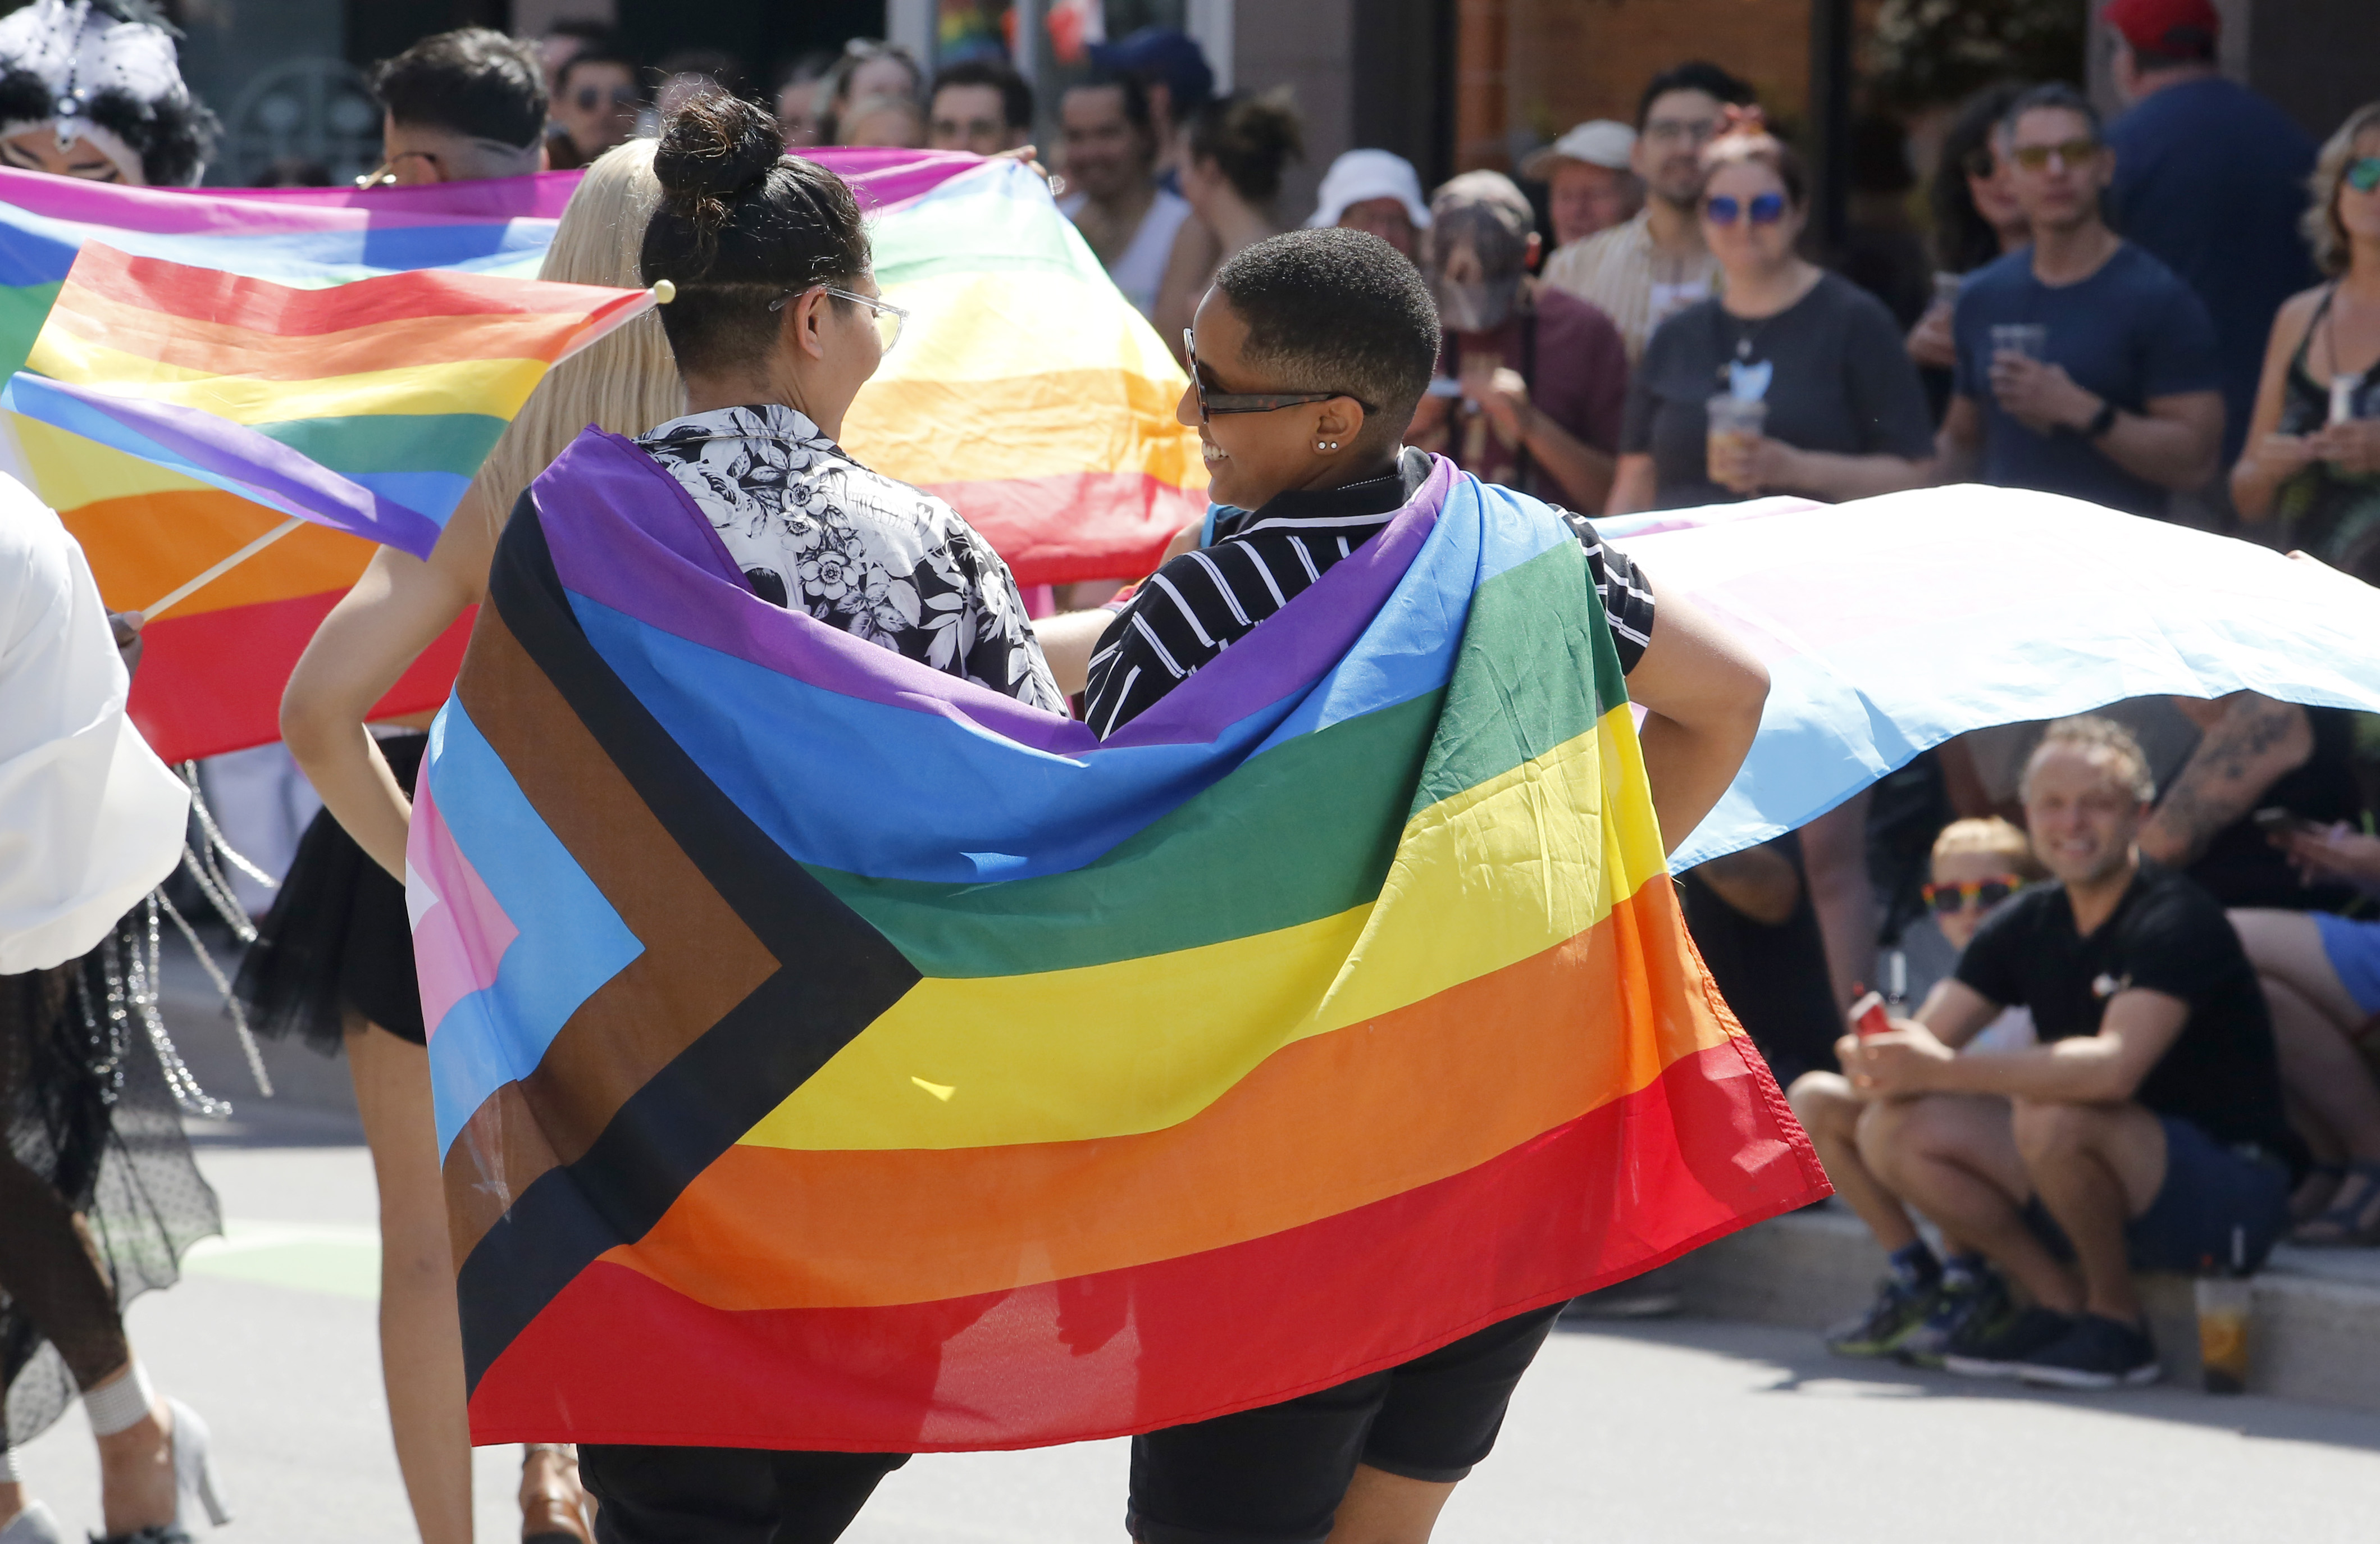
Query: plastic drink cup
x=2223 y=1303
x=2342 y=398
x=1947 y=287
x=1734 y=421
x=2030 y=339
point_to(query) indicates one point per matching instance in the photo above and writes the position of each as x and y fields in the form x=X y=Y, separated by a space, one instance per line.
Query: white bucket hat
x=1360 y=174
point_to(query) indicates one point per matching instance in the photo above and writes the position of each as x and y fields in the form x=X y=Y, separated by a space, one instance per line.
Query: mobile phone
x=1869 y=1016
x=1445 y=385
x=2276 y=823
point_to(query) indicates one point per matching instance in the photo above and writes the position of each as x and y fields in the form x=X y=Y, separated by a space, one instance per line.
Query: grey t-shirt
x=1841 y=381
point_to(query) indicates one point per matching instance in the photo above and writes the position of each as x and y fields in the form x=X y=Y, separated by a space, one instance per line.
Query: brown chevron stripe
x=699 y=959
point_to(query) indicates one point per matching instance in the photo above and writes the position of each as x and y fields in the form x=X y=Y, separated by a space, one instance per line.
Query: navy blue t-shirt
x=2128 y=333
x=2211 y=181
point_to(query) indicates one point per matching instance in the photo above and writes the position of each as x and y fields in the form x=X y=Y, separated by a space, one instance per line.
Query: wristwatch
x=2101 y=421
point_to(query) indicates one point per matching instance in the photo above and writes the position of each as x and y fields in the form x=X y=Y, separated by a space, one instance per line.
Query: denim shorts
x=2354 y=951
x=2210 y=1192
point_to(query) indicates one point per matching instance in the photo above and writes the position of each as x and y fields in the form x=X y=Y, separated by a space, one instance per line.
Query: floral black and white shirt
x=814 y=532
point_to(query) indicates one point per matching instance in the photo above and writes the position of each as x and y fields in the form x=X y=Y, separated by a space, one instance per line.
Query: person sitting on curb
x=1927 y=1298
x=2321 y=981
x=2145 y=1131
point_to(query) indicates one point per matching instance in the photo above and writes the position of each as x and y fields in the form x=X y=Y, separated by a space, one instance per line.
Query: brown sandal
x=553 y=1507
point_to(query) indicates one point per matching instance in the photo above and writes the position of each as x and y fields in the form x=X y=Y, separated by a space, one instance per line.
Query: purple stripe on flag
x=233 y=452
x=276 y=211
x=623 y=533
x=882 y=177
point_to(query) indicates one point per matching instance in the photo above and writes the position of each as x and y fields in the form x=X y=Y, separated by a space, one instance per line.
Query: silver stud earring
x=1326 y=445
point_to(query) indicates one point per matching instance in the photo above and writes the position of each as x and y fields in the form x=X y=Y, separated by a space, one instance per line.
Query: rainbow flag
x=364 y=409
x=865 y=1062
x=1026 y=391
x=211 y=679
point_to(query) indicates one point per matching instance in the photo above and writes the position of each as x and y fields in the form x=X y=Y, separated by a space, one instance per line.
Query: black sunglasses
x=1212 y=403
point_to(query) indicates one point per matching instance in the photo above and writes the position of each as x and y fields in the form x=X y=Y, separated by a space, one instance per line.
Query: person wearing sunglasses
x=1844 y=415
x=462 y=106
x=595 y=106
x=2085 y=367
x=1924 y=1298
x=2312 y=462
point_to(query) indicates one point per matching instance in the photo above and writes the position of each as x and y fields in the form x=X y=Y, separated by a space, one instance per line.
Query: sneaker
x=2096 y=1352
x=1899 y=1308
x=1967 y=1309
x=1995 y=1350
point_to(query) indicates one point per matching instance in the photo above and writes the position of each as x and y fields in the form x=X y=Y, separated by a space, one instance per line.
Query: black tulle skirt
x=88 y=1109
x=337 y=940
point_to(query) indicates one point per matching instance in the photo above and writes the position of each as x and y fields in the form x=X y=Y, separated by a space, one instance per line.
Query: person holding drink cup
x=1794 y=380
x=2312 y=467
x=2085 y=367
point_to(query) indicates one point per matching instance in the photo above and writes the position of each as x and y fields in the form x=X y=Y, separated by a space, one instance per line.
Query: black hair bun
x=715 y=146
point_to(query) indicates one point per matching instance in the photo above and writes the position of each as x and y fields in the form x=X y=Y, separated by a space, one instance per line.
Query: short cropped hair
x=2102 y=740
x=2055 y=94
x=1016 y=95
x=1695 y=75
x=1338 y=311
x=474 y=81
x=1992 y=835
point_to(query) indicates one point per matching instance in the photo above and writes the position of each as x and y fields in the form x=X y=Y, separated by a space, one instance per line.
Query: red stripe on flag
x=1075 y=525
x=427 y=294
x=211 y=682
x=1705 y=1150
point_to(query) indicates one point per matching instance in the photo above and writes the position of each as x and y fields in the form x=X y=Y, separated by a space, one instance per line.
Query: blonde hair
x=2322 y=231
x=2103 y=739
x=1991 y=835
x=626 y=382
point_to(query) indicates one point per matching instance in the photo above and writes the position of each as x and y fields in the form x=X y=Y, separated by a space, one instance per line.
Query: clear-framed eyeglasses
x=888 y=317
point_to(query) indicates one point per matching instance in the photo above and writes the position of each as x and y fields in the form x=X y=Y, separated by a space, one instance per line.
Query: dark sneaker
x=1898 y=1310
x=1967 y=1309
x=2096 y=1352
x=1995 y=1350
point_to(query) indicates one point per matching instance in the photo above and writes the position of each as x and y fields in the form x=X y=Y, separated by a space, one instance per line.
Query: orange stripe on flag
x=1323 y=1126
x=141 y=546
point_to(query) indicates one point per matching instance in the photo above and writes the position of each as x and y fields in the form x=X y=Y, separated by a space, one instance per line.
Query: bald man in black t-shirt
x=2146 y=1129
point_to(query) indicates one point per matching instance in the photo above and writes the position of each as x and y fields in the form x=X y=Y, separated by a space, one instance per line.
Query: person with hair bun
x=1236 y=149
x=776 y=324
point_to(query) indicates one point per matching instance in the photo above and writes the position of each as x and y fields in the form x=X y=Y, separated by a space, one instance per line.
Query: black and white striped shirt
x=1198 y=605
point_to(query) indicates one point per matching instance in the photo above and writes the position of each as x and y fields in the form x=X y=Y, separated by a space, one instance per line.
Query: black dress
x=99 y=1195
x=337 y=940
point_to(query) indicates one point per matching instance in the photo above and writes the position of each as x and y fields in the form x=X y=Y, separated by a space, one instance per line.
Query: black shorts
x=662 y=1495
x=2210 y=1193
x=1275 y=1474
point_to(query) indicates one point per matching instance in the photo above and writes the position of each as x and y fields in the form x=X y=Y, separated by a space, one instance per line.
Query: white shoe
x=194 y=1473
x=34 y=1524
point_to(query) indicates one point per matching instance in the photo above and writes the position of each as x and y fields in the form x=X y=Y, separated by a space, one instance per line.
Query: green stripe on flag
x=391 y=442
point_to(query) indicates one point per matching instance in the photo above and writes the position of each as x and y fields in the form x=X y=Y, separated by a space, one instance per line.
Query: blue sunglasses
x=1766 y=209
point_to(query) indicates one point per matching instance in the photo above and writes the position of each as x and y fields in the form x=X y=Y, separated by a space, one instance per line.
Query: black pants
x=663 y=1495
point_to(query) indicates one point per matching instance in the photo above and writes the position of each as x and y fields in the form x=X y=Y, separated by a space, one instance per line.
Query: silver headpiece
x=79 y=51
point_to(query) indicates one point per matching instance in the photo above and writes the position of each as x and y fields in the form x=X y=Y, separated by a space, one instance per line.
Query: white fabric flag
x=1890 y=625
x=89 y=820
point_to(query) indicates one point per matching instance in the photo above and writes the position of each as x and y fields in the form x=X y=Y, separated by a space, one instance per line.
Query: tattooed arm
x=2249 y=742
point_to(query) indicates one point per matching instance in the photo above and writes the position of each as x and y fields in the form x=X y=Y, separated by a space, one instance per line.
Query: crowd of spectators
x=2141 y=1032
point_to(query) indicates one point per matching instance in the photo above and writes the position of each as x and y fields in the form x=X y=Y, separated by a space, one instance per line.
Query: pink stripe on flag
x=460 y=932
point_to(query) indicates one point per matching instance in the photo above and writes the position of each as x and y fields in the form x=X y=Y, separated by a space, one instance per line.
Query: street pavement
x=1679 y=1430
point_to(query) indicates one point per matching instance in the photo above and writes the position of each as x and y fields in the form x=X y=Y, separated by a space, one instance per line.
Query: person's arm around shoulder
x=1701 y=691
x=2268 y=458
x=398 y=609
